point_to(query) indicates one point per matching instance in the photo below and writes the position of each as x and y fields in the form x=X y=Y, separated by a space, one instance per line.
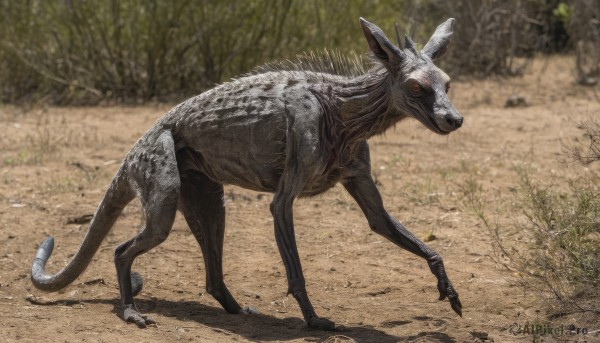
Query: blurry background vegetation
x=130 y=51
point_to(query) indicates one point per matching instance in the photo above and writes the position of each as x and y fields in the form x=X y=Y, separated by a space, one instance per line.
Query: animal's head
x=419 y=88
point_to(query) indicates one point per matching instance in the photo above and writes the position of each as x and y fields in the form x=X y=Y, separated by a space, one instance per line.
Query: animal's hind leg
x=152 y=171
x=201 y=201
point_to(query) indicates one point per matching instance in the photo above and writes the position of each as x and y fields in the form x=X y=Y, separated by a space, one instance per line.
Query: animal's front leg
x=363 y=190
x=281 y=208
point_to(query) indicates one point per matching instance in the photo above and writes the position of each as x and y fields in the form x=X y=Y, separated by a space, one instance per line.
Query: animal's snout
x=449 y=121
x=454 y=121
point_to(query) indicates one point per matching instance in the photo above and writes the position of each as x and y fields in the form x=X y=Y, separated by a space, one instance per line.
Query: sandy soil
x=56 y=162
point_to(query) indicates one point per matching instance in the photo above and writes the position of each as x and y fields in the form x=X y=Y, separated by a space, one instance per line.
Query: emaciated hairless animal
x=293 y=132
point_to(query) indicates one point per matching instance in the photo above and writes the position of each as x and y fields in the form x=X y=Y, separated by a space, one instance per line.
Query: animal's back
x=235 y=133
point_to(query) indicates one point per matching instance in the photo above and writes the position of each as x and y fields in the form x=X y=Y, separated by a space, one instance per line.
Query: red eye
x=415 y=88
x=447 y=88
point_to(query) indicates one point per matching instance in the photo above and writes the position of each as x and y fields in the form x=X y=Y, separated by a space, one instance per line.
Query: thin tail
x=118 y=195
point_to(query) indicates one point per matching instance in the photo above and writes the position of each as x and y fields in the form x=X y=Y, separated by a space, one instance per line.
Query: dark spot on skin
x=263 y=98
x=219 y=100
x=329 y=89
x=292 y=82
x=250 y=108
x=221 y=111
x=268 y=86
x=306 y=97
x=244 y=99
x=307 y=106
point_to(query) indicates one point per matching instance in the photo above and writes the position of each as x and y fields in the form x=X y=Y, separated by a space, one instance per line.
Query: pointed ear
x=439 y=42
x=384 y=50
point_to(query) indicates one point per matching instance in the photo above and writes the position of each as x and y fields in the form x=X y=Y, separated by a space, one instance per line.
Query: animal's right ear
x=439 y=42
x=384 y=50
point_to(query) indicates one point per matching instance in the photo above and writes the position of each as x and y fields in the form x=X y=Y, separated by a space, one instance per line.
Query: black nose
x=454 y=122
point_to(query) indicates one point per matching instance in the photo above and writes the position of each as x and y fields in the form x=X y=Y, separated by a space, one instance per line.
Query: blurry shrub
x=496 y=36
x=83 y=51
x=558 y=244
x=587 y=151
x=564 y=250
x=74 y=51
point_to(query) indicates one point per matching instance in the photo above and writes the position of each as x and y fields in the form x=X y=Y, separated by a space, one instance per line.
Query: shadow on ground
x=260 y=327
x=256 y=327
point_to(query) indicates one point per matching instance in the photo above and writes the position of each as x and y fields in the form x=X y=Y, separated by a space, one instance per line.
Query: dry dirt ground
x=56 y=162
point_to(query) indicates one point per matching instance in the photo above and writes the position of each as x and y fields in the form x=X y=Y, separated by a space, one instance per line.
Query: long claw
x=149 y=320
x=456 y=305
x=131 y=315
x=447 y=291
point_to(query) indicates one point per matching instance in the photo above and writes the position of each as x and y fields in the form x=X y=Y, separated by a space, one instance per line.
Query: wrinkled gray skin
x=294 y=133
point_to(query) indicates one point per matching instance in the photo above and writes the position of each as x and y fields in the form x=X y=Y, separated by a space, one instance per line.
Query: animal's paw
x=447 y=291
x=248 y=310
x=131 y=315
x=321 y=324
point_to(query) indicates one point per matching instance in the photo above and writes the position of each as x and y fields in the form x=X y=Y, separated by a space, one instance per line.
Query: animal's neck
x=364 y=105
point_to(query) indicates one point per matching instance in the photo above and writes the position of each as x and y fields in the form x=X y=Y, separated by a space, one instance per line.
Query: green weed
x=558 y=243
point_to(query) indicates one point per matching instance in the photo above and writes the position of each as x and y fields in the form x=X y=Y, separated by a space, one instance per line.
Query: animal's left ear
x=380 y=45
x=439 y=42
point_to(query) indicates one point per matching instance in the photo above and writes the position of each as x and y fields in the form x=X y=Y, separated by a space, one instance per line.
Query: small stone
x=429 y=237
x=516 y=100
x=587 y=81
